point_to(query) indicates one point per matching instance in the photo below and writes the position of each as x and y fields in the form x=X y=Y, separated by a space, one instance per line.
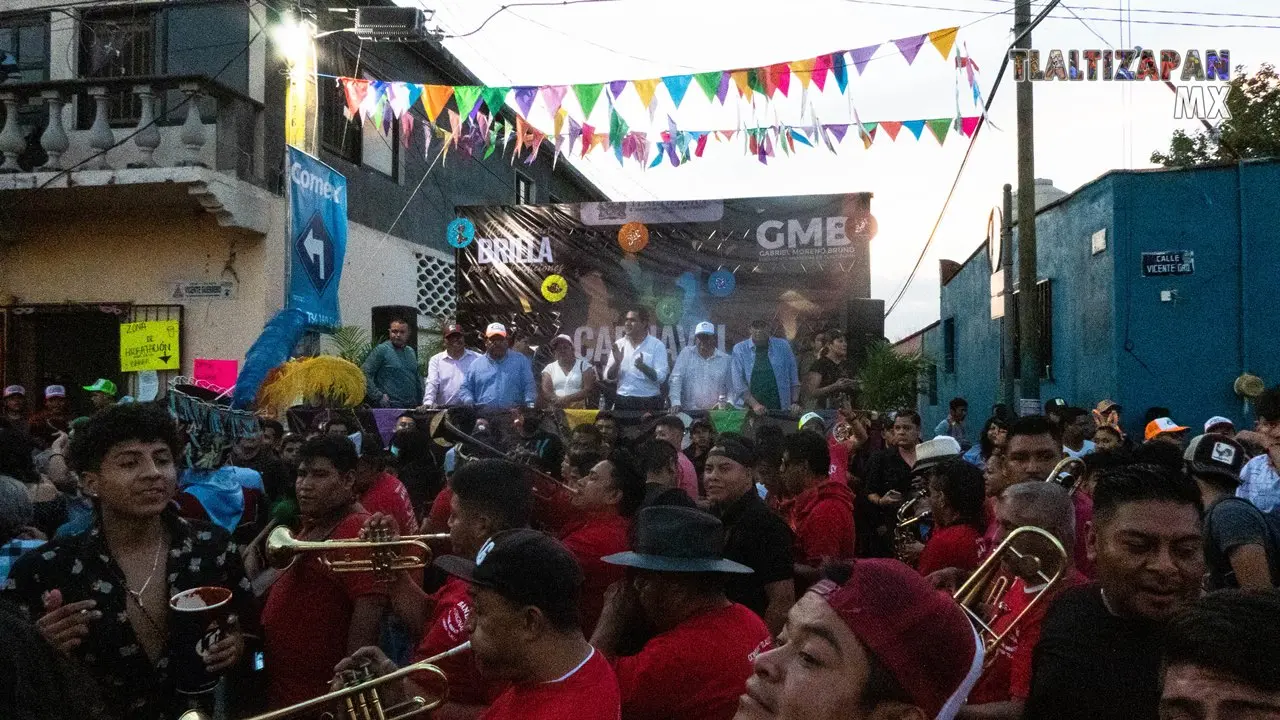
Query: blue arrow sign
x=318 y=240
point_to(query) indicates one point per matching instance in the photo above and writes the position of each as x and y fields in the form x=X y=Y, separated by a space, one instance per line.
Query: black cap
x=735 y=450
x=524 y=566
x=1214 y=454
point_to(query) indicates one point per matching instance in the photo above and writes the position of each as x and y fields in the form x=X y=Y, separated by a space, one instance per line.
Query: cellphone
x=258 y=663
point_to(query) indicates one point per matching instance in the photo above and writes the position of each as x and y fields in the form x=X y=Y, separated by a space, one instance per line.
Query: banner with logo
x=576 y=269
x=317 y=238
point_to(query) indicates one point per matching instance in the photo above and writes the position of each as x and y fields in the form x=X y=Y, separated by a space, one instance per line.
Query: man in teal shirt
x=391 y=370
x=765 y=373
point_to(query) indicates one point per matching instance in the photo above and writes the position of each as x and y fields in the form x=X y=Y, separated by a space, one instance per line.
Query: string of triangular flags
x=767 y=81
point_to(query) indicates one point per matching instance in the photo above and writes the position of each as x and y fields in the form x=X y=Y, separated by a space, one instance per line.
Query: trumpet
x=1068 y=473
x=1029 y=553
x=360 y=700
x=384 y=557
x=446 y=434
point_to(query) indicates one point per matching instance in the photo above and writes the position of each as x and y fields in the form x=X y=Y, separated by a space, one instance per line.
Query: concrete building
x=197 y=197
x=1156 y=287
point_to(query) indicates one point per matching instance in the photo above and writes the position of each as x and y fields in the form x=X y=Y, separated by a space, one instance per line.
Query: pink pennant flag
x=861 y=56
x=354 y=91
x=426 y=140
x=455 y=125
x=781 y=75
x=969 y=125
x=406 y=129
x=588 y=136
x=702 y=144
x=821 y=66
x=553 y=95
x=910 y=46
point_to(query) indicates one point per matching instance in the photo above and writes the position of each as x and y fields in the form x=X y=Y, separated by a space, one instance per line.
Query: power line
x=1171 y=23
x=1164 y=11
x=965 y=160
x=504 y=8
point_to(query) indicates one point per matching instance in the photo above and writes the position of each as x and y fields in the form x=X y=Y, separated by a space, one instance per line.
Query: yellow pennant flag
x=434 y=98
x=803 y=70
x=645 y=89
x=944 y=40
x=742 y=83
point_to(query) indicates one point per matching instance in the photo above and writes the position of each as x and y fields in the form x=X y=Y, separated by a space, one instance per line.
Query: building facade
x=108 y=217
x=1156 y=288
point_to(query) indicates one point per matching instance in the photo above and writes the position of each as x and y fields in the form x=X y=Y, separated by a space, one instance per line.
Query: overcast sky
x=1082 y=129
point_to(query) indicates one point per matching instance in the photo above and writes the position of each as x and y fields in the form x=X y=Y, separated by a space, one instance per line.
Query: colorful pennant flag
x=466 y=96
x=587 y=95
x=910 y=46
x=677 y=86
x=645 y=89
x=709 y=82
x=524 y=98
x=553 y=96
x=434 y=98
x=944 y=40
x=915 y=126
x=494 y=98
x=861 y=56
x=939 y=128
x=891 y=128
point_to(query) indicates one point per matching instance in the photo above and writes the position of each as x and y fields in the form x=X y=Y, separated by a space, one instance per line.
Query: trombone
x=446 y=434
x=383 y=556
x=1068 y=473
x=360 y=700
x=1029 y=553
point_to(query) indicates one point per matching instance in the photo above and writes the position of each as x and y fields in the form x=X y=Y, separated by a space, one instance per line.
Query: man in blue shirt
x=498 y=379
x=765 y=372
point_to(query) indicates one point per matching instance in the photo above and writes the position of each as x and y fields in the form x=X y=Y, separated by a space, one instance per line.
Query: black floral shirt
x=81 y=567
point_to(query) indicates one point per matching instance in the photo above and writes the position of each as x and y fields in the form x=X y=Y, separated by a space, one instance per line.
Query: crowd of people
x=656 y=569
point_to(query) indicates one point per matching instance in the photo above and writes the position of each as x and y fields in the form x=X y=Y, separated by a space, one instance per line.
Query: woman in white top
x=570 y=380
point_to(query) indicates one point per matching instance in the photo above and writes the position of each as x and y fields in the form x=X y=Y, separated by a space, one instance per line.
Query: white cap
x=704 y=328
x=935 y=452
x=495 y=329
x=1218 y=420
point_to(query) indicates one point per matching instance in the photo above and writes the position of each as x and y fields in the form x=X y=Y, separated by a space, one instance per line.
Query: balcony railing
x=227 y=144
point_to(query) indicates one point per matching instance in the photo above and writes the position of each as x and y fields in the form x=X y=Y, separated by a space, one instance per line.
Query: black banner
x=797 y=261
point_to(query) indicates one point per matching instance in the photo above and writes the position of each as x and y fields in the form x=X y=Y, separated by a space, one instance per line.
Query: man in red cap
x=448 y=368
x=873 y=640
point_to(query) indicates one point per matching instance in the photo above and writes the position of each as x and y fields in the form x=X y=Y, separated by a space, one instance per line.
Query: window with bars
x=949 y=345
x=118 y=43
x=525 y=190
x=24 y=49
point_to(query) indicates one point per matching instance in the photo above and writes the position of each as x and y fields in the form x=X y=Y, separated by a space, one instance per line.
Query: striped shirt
x=1260 y=483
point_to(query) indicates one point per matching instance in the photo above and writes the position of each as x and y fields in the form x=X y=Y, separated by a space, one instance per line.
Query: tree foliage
x=888 y=378
x=1252 y=132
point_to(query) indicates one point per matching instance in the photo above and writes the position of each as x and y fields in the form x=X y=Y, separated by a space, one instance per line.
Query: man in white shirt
x=1259 y=480
x=701 y=376
x=1076 y=427
x=447 y=369
x=639 y=364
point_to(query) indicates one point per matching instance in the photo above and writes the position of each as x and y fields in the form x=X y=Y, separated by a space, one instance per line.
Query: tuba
x=913 y=515
x=1068 y=473
x=359 y=696
x=1029 y=553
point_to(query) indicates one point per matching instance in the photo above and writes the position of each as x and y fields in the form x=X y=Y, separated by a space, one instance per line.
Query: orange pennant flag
x=891 y=127
x=803 y=70
x=740 y=80
x=645 y=89
x=434 y=98
x=944 y=40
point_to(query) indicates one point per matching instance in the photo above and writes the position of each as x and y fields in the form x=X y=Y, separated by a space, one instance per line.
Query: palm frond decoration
x=351 y=343
x=889 y=379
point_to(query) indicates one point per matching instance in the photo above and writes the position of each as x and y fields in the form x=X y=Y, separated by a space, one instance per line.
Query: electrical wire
x=1170 y=23
x=1162 y=11
x=506 y=7
x=965 y=160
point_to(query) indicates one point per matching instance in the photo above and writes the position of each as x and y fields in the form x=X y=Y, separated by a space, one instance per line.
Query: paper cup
x=197 y=620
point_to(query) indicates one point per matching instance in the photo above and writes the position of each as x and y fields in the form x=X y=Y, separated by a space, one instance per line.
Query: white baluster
x=101 y=139
x=193 y=128
x=12 y=143
x=148 y=137
x=54 y=140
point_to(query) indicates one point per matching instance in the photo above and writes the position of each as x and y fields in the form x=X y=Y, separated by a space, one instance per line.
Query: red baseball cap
x=454 y=329
x=920 y=634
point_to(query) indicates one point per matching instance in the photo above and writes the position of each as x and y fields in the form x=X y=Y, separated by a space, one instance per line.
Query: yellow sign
x=151 y=345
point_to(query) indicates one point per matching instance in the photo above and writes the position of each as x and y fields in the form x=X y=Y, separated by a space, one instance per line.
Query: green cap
x=103 y=385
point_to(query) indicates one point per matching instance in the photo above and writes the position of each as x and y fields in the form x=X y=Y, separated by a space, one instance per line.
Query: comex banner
x=317 y=238
x=575 y=269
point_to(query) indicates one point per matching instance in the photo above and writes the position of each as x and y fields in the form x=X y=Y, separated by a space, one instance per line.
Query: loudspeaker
x=382 y=315
x=864 y=326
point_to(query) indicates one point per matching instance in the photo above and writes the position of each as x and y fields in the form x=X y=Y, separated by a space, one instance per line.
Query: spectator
x=765 y=373
x=1259 y=479
x=54 y=418
x=447 y=369
x=1218 y=425
x=829 y=382
x=17 y=536
x=638 y=364
x=378 y=490
x=889 y=483
x=272 y=433
x=499 y=379
x=391 y=370
x=822 y=514
x=702 y=376
x=254 y=452
x=15 y=406
x=607 y=424
x=657 y=463
x=569 y=380
x=670 y=429
x=1076 y=425
x=102 y=393
x=953 y=424
x=701 y=436
x=1165 y=430
x=1241 y=547
x=1107 y=437
x=994 y=434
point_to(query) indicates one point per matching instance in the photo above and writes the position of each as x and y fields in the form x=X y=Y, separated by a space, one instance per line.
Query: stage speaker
x=864 y=326
x=382 y=315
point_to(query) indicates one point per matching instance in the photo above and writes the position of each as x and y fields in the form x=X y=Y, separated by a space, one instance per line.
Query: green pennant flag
x=494 y=98
x=870 y=127
x=617 y=131
x=755 y=79
x=709 y=82
x=587 y=95
x=466 y=97
x=727 y=420
x=939 y=128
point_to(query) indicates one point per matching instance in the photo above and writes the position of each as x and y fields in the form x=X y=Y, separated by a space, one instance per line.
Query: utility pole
x=1028 y=309
x=1010 y=320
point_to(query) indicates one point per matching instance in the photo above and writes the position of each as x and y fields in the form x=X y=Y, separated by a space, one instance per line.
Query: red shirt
x=839 y=471
x=686 y=475
x=387 y=495
x=306 y=621
x=1008 y=673
x=822 y=520
x=695 y=670
x=446 y=630
x=955 y=546
x=590 y=692
x=600 y=535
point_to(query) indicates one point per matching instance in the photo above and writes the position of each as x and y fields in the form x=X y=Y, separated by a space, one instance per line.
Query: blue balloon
x=461 y=232
x=721 y=283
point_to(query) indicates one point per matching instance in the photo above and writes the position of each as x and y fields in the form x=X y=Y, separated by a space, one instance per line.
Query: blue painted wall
x=1113 y=337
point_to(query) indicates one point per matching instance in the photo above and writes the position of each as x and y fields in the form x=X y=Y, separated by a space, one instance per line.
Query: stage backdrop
x=798 y=261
